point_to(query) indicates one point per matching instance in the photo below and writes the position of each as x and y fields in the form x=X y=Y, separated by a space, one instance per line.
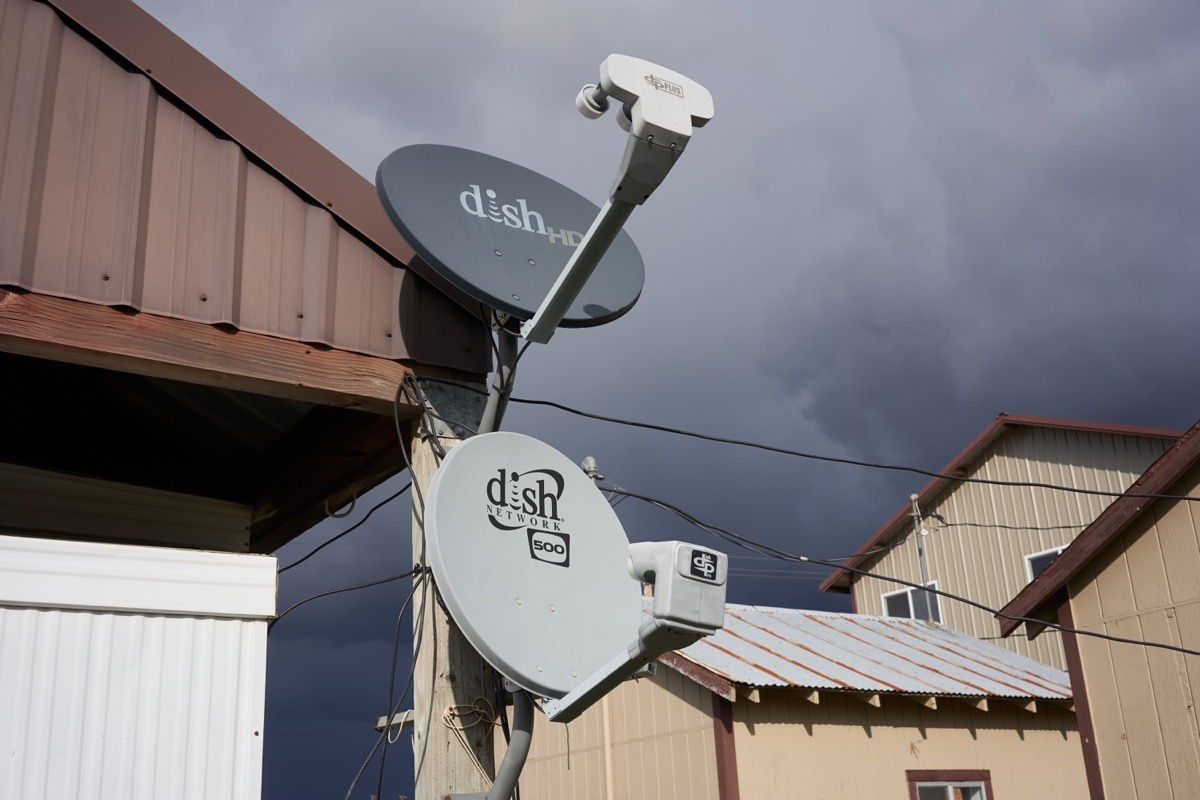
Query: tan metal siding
x=660 y=747
x=565 y=761
x=845 y=748
x=980 y=551
x=788 y=747
x=113 y=193
x=1145 y=585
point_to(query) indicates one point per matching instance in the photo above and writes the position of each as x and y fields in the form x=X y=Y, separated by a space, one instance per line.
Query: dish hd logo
x=530 y=500
x=518 y=216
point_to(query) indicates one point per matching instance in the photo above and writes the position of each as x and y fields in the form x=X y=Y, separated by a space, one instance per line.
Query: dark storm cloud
x=1045 y=262
x=905 y=218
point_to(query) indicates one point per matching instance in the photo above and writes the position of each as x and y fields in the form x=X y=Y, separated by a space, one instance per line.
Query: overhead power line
x=820 y=457
x=319 y=595
x=352 y=528
x=783 y=555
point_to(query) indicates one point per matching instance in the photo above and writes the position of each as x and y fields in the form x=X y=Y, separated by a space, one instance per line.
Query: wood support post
x=452 y=686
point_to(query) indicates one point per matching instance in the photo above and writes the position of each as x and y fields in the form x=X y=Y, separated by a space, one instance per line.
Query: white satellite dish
x=531 y=561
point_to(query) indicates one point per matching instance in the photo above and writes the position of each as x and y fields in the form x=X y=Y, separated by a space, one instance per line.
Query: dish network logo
x=530 y=500
x=517 y=215
x=525 y=499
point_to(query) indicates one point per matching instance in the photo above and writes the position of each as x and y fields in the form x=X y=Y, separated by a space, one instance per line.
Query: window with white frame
x=913 y=603
x=1036 y=562
x=949 y=784
x=951 y=791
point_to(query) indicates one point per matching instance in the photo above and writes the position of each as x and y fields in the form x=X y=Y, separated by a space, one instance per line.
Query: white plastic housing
x=664 y=105
x=689 y=604
x=689 y=582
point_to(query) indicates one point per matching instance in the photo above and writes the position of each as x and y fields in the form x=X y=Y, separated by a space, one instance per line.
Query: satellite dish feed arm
x=659 y=109
x=579 y=268
x=689 y=604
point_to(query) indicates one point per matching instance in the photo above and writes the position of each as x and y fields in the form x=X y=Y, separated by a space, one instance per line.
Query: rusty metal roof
x=762 y=646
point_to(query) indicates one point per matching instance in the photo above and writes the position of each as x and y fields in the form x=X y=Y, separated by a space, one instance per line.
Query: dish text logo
x=525 y=500
x=513 y=215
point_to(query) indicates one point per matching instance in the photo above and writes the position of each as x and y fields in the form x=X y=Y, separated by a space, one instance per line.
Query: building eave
x=1038 y=599
x=839 y=581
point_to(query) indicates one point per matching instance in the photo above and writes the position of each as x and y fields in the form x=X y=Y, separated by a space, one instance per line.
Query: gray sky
x=905 y=218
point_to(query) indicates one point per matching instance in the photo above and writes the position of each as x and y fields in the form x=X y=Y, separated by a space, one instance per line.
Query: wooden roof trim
x=333 y=455
x=710 y=680
x=1157 y=479
x=839 y=580
x=76 y=332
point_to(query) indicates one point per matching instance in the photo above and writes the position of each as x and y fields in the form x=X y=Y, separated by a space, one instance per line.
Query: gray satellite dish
x=502 y=233
x=531 y=561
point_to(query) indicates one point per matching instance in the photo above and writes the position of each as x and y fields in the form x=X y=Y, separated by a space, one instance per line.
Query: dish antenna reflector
x=527 y=246
x=536 y=570
x=502 y=233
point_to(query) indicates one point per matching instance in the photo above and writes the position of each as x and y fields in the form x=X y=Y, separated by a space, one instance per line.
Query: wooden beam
x=870 y=698
x=928 y=701
x=1026 y=705
x=977 y=703
x=319 y=465
x=75 y=332
x=402 y=720
x=813 y=696
x=716 y=684
x=749 y=693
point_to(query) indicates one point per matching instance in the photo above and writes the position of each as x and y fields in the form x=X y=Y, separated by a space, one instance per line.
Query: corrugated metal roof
x=781 y=647
x=115 y=193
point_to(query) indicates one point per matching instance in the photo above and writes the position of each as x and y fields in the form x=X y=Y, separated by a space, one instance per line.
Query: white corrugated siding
x=979 y=552
x=150 y=702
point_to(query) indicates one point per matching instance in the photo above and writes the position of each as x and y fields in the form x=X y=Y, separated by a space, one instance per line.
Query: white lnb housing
x=664 y=106
x=689 y=604
x=659 y=109
x=689 y=583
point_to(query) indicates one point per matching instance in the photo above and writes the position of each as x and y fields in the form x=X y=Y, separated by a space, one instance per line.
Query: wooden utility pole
x=453 y=686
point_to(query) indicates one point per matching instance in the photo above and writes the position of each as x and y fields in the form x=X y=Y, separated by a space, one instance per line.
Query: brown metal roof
x=839 y=581
x=194 y=295
x=1035 y=600
x=139 y=175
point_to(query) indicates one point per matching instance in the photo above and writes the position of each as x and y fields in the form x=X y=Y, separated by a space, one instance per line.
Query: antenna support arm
x=579 y=268
x=659 y=109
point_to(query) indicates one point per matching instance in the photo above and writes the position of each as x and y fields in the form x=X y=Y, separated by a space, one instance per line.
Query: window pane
x=1039 y=563
x=931 y=792
x=897 y=605
x=968 y=793
x=925 y=605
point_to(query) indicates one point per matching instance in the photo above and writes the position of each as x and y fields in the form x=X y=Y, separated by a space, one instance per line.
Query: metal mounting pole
x=506 y=363
x=919 y=534
x=447 y=672
x=579 y=268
